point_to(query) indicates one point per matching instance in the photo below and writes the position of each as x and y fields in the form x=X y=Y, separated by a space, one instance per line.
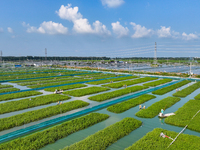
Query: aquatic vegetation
x=30 y=116
x=112 y=80
x=103 y=138
x=18 y=95
x=86 y=91
x=42 y=138
x=197 y=97
x=5 y=86
x=130 y=82
x=48 y=81
x=113 y=94
x=159 y=82
x=57 y=83
x=171 y=87
x=65 y=87
x=153 y=141
x=188 y=90
x=155 y=108
x=8 y=90
x=185 y=114
x=31 y=102
x=123 y=106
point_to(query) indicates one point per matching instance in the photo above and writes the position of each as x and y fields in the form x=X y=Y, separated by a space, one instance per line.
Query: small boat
x=165 y=115
x=58 y=92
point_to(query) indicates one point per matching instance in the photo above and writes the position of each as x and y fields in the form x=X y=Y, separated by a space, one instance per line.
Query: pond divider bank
x=21 y=132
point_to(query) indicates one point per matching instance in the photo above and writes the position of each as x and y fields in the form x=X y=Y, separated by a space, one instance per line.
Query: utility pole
x=1 y=57
x=45 y=54
x=155 y=56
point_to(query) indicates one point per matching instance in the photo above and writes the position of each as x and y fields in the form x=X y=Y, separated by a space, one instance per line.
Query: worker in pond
x=140 y=106
x=144 y=107
x=162 y=112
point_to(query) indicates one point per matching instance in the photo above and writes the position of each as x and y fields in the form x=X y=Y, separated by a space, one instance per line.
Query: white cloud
x=47 y=28
x=164 y=32
x=119 y=30
x=69 y=13
x=81 y=25
x=1 y=29
x=10 y=30
x=140 y=31
x=100 y=28
x=112 y=3
x=190 y=36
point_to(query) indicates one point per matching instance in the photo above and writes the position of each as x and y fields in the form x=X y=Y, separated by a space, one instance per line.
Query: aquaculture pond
x=122 y=129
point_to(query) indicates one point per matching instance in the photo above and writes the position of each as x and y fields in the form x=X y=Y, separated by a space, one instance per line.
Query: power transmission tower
x=155 y=56
x=45 y=54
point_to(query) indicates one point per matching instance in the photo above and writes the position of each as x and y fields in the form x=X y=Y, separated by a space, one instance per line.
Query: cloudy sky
x=113 y=28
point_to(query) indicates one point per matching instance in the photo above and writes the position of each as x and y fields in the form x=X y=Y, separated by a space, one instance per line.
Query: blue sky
x=113 y=28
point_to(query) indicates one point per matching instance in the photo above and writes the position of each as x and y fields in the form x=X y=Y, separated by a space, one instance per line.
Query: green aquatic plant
x=31 y=102
x=113 y=94
x=103 y=138
x=185 y=114
x=123 y=106
x=159 y=82
x=130 y=82
x=155 y=108
x=42 y=138
x=171 y=87
x=31 y=116
x=188 y=90
x=18 y=95
x=153 y=141
x=86 y=91
x=112 y=80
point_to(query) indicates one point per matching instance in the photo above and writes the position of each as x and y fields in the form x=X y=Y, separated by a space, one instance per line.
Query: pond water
x=147 y=126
